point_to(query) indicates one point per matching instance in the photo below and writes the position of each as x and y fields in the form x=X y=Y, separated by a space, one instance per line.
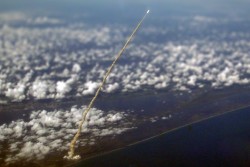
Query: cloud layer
x=64 y=61
x=51 y=131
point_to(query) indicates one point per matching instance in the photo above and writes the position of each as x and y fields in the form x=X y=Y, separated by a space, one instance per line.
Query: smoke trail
x=71 y=153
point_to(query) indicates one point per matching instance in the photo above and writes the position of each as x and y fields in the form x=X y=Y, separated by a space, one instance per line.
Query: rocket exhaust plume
x=71 y=154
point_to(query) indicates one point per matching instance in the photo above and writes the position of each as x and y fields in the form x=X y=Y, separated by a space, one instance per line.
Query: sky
x=228 y=7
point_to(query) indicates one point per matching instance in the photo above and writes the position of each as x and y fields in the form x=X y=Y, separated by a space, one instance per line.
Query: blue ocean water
x=219 y=141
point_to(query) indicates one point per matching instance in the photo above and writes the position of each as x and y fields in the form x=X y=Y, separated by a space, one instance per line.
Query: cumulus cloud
x=76 y=68
x=204 y=19
x=110 y=88
x=39 y=89
x=62 y=88
x=90 y=88
x=44 y=20
x=48 y=131
x=41 y=63
x=17 y=92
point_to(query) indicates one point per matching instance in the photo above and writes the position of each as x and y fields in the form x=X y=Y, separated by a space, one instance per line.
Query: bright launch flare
x=71 y=154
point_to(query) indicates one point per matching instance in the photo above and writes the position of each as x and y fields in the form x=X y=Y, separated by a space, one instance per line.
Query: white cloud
x=114 y=117
x=49 y=131
x=110 y=88
x=17 y=92
x=90 y=88
x=62 y=88
x=34 y=64
x=204 y=19
x=44 y=20
x=39 y=89
x=76 y=68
